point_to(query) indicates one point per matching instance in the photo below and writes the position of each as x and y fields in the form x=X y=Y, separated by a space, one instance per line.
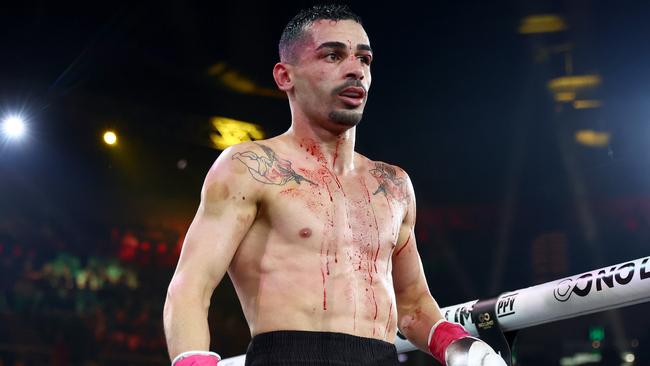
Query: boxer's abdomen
x=299 y=294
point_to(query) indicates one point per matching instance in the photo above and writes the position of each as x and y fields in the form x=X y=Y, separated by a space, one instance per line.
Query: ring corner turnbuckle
x=485 y=319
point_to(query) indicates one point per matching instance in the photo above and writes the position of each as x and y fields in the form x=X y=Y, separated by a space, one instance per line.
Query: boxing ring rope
x=610 y=287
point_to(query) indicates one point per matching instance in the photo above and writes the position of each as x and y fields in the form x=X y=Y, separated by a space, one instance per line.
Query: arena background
x=524 y=126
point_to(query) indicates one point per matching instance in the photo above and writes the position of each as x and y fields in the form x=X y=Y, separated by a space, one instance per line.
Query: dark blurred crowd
x=93 y=302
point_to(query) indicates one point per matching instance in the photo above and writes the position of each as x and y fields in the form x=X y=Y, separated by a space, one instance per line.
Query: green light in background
x=596 y=333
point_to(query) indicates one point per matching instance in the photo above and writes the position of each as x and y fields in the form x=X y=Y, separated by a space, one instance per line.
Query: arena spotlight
x=14 y=127
x=110 y=138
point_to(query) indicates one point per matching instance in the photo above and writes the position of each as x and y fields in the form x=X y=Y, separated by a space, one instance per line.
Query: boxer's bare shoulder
x=392 y=181
x=394 y=184
x=265 y=165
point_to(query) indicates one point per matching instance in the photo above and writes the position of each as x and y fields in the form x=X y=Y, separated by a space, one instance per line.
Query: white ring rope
x=602 y=289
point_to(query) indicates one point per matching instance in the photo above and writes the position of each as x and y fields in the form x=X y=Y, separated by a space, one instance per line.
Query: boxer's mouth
x=353 y=92
x=353 y=96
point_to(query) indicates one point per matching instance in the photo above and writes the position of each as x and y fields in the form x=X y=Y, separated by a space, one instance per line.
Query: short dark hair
x=296 y=28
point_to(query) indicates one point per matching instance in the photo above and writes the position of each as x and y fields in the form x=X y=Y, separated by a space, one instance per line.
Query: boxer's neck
x=335 y=148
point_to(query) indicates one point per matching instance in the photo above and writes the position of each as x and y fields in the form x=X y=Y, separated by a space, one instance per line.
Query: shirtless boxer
x=317 y=239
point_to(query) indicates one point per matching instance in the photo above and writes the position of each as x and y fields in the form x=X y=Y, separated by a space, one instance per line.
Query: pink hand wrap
x=198 y=360
x=444 y=333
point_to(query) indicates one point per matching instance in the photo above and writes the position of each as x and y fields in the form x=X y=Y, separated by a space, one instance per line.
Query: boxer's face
x=331 y=77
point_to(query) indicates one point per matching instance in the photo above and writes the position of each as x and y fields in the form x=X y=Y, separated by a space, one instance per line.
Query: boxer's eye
x=332 y=56
x=366 y=59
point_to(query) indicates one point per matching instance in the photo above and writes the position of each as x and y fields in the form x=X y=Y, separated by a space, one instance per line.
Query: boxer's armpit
x=266 y=167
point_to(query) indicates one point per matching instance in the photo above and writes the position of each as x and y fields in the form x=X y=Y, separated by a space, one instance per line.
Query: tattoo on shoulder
x=269 y=168
x=390 y=184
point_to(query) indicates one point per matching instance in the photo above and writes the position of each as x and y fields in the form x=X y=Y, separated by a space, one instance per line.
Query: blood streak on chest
x=392 y=218
x=374 y=216
x=329 y=182
x=326 y=243
x=374 y=260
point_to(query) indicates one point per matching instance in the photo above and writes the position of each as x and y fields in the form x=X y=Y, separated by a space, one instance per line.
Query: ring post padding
x=610 y=287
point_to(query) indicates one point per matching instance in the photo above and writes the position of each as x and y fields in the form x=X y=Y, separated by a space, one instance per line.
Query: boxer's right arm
x=228 y=207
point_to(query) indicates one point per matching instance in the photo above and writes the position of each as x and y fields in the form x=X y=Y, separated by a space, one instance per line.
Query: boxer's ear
x=283 y=76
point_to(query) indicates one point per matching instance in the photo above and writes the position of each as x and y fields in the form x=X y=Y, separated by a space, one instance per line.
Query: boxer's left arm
x=417 y=311
x=418 y=314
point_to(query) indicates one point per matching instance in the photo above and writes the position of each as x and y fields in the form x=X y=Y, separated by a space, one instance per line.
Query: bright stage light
x=110 y=138
x=14 y=127
x=232 y=131
x=628 y=357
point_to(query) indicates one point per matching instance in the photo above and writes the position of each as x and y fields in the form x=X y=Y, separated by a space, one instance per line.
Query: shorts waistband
x=325 y=347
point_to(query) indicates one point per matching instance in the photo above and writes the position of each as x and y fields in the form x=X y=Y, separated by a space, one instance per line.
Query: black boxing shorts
x=302 y=348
